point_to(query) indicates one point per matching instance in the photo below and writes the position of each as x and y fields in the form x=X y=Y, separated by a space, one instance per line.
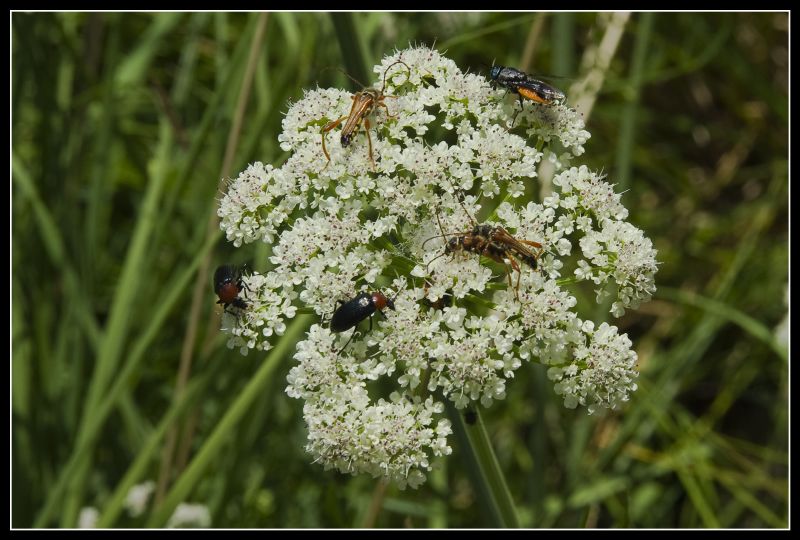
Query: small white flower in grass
x=350 y=432
x=138 y=496
x=188 y=515
x=302 y=125
x=405 y=227
x=87 y=519
x=395 y=439
x=257 y=203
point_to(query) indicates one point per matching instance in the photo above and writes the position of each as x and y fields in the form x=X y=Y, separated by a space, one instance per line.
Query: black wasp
x=228 y=284
x=526 y=86
x=352 y=312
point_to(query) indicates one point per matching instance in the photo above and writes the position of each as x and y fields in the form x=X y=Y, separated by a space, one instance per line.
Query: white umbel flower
x=600 y=372
x=402 y=220
x=620 y=253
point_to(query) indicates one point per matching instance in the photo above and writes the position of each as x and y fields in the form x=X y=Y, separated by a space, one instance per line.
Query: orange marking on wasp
x=533 y=96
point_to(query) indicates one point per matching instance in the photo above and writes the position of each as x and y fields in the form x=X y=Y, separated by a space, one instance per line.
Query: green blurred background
x=123 y=126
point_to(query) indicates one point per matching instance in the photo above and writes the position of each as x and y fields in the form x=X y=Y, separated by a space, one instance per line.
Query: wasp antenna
x=472 y=220
x=428 y=266
x=445 y=235
x=441 y=229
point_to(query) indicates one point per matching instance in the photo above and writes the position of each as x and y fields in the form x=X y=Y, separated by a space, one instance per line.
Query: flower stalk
x=492 y=484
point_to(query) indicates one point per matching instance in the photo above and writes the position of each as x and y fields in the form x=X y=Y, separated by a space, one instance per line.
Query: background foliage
x=123 y=125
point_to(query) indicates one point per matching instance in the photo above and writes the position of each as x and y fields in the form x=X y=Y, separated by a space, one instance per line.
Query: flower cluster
x=399 y=213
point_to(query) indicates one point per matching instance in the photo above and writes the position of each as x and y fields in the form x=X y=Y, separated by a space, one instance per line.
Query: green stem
x=534 y=33
x=125 y=295
x=88 y=436
x=563 y=43
x=354 y=53
x=54 y=243
x=224 y=432
x=199 y=295
x=485 y=470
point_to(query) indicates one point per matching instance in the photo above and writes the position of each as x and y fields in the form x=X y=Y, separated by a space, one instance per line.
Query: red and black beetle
x=349 y=314
x=228 y=284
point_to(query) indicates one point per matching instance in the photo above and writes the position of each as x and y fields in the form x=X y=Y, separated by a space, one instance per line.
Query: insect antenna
x=362 y=85
x=390 y=67
x=471 y=219
x=441 y=229
x=427 y=266
x=443 y=235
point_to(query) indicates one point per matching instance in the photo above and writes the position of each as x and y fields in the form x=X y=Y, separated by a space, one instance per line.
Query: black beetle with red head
x=349 y=314
x=228 y=284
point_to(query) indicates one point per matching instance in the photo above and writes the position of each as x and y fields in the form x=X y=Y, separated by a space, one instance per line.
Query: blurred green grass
x=120 y=124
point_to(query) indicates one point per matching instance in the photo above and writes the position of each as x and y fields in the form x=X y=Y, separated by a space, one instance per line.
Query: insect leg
x=382 y=104
x=515 y=266
x=326 y=129
x=355 y=329
x=369 y=141
x=514 y=119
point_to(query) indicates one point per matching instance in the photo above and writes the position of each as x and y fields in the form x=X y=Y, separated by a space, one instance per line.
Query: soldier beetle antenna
x=387 y=71
x=359 y=83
